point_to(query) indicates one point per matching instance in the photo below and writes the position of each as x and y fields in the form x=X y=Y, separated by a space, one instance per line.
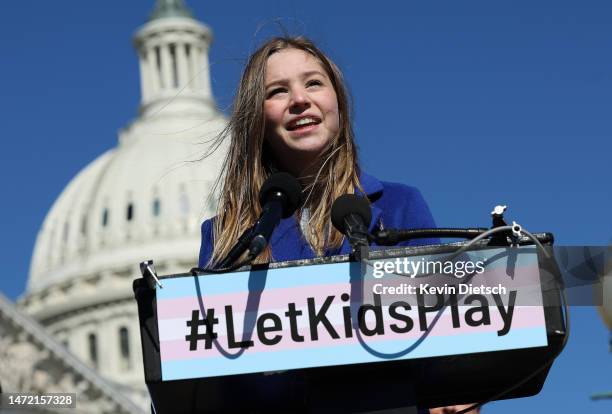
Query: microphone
x=280 y=196
x=351 y=215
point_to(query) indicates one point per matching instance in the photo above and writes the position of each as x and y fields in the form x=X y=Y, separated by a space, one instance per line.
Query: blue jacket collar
x=373 y=190
x=371 y=186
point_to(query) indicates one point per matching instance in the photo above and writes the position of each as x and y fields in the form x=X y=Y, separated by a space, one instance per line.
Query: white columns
x=181 y=63
x=154 y=70
x=166 y=66
x=195 y=68
x=145 y=74
x=174 y=66
x=204 y=73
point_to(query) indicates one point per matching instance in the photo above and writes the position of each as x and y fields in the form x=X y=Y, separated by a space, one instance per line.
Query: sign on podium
x=408 y=326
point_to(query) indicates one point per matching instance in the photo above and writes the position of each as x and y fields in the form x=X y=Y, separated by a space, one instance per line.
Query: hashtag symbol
x=208 y=322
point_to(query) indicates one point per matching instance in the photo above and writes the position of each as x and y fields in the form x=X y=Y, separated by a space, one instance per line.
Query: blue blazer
x=393 y=206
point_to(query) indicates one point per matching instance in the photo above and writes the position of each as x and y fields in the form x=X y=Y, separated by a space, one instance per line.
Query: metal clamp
x=517 y=231
x=147 y=268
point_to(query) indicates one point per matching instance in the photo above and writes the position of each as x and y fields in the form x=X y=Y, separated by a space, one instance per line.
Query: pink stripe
x=524 y=317
x=270 y=299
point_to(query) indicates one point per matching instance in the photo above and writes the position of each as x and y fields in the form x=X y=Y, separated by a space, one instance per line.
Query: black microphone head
x=286 y=184
x=350 y=204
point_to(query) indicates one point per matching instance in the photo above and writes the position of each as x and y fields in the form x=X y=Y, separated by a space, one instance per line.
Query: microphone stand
x=390 y=237
x=240 y=247
x=359 y=237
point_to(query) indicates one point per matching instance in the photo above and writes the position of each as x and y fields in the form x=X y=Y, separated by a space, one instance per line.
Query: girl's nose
x=299 y=98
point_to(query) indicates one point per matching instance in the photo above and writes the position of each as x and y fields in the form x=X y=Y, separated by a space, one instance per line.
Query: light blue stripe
x=239 y=282
x=351 y=354
x=298 y=276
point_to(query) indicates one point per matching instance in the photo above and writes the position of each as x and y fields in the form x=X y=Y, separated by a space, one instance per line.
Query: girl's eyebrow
x=303 y=76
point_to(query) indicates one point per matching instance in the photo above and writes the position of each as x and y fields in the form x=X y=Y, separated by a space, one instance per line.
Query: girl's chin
x=308 y=144
x=298 y=160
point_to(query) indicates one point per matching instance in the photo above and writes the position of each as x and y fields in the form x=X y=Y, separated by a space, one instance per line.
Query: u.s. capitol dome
x=143 y=199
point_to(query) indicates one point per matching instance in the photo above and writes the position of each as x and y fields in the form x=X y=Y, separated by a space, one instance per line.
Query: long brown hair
x=249 y=161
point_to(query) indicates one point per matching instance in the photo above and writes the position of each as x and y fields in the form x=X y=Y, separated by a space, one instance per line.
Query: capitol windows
x=124 y=348
x=156 y=207
x=174 y=64
x=105 y=217
x=92 y=342
x=129 y=214
x=84 y=225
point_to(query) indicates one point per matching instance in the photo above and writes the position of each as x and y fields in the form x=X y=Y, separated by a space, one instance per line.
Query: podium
x=315 y=336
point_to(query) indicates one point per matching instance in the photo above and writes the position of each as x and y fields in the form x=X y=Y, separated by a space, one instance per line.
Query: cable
x=534 y=373
x=475 y=240
x=565 y=312
x=516 y=229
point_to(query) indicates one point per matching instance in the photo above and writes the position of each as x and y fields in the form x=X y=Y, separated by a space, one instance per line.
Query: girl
x=291 y=113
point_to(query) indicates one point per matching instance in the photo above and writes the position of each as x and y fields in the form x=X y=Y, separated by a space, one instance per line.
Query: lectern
x=333 y=335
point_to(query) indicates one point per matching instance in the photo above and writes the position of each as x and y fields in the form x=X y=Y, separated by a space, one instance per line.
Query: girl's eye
x=276 y=91
x=314 y=82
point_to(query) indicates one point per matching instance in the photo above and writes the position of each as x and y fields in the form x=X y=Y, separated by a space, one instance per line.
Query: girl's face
x=300 y=109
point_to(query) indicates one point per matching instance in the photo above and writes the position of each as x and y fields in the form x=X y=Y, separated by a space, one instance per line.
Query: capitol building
x=75 y=328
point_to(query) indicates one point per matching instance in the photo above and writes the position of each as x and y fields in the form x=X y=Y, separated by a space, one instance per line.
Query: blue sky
x=476 y=103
